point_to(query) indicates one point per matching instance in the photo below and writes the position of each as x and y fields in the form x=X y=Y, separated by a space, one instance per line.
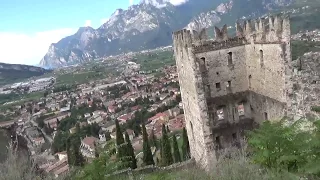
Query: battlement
x=274 y=29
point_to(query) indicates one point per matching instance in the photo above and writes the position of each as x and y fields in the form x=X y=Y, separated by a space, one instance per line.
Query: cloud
x=18 y=48
x=131 y=2
x=87 y=23
x=178 y=2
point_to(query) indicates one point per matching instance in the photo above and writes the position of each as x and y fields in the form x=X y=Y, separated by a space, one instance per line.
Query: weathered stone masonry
x=229 y=84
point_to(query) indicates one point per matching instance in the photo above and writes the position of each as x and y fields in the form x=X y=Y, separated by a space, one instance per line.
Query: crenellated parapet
x=215 y=45
x=273 y=29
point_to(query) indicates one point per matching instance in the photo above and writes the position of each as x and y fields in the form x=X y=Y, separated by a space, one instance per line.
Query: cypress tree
x=176 y=153
x=185 y=145
x=168 y=130
x=119 y=141
x=96 y=153
x=166 y=148
x=153 y=139
x=161 y=152
x=79 y=161
x=147 y=154
x=133 y=161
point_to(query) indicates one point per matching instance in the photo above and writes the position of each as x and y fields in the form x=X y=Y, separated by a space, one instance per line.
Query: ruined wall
x=193 y=98
x=306 y=81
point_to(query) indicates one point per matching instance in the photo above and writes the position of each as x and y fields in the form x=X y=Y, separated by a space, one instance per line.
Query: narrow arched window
x=261 y=58
x=203 y=66
x=230 y=58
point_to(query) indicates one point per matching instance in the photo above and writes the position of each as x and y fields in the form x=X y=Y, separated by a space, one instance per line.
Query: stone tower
x=230 y=84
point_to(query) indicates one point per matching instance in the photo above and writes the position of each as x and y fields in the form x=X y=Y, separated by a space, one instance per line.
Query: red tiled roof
x=130 y=131
x=157 y=116
x=135 y=108
x=111 y=108
x=125 y=117
x=62 y=170
x=90 y=141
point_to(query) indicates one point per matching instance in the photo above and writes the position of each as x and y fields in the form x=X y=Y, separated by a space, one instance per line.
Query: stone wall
x=266 y=72
x=193 y=98
x=306 y=86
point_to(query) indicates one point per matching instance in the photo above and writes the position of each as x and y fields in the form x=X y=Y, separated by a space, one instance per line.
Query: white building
x=87 y=147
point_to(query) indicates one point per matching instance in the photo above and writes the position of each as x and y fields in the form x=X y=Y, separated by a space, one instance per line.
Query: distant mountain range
x=150 y=25
x=10 y=73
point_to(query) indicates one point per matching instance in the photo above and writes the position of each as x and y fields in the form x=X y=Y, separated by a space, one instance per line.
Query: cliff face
x=149 y=25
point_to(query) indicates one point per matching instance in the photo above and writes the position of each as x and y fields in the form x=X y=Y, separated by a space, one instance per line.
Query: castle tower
x=229 y=85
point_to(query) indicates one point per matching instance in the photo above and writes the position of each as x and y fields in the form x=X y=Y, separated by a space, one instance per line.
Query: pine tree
x=130 y=150
x=185 y=145
x=147 y=154
x=166 y=148
x=176 y=153
x=120 y=141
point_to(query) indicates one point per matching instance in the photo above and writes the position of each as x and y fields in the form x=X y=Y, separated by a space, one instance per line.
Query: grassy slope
x=153 y=61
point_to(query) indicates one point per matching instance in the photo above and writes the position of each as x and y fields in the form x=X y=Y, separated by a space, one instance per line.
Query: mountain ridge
x=148 y=25
x=12 y=72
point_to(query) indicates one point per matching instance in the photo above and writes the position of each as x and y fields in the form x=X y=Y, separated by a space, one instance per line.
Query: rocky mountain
x=13 y=72
x=149 y=25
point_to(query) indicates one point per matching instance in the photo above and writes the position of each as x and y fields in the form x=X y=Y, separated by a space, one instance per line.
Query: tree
x=185 y=145
x=75 y=157
x=108 y=135
x=176 y=153
x=279 y=146
x=120 y=142
x=78 y=129
x=130 y=150
x=59 y=141
x=48 y=129
x=41 y=123
x=153 y=139
x=96 y=153
x=166 y=148
x=147 y=154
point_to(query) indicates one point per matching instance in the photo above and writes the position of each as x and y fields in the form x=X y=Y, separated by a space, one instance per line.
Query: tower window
x=229 y=83
x=218 y=141
x=208 y=89
x=250 y=77
x=203 y=64
x=220 y=114
x=229 y=58
x=266 y=116
x=241 y=109
x=234 y=136
x=261 y=58
x=218 y=86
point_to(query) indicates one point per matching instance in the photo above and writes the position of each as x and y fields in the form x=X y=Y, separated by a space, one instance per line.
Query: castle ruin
x=230 y=84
